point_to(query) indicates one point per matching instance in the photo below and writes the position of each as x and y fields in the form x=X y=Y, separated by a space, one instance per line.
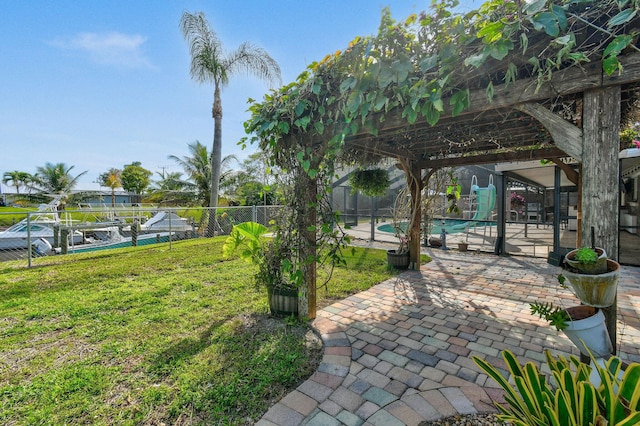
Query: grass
x=148 y=336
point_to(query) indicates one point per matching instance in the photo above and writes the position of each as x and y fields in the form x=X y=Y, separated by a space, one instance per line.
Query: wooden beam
x=569 y=171
x=565 y=135
x=381 y=150
x=572 y=80
x=493 y=158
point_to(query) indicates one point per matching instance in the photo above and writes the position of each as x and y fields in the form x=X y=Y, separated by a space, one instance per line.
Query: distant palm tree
x=197 y=167
x=112 y=178
x=210 y=64
x=170 y=181
x=56 y=178
x=17 y=179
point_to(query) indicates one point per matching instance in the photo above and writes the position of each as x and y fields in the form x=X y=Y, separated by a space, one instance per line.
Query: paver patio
x=400 y=352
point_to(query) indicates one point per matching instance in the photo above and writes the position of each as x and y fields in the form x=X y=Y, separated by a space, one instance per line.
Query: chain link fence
x=26 y=234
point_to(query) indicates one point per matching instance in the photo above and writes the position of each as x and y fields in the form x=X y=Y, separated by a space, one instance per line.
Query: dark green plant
x=586 y=255
x=370 y=182
x=453 y=194
x=561 y=280
x=557 y=317
x=567 y=397
x=273 y=257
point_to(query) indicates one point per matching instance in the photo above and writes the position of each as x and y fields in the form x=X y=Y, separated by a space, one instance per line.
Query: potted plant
x=587 y=260
x=273 y=259
x=399 y=258
x=462 y=245
x=568 y=396
x=583 y=325
x=372 y=182
x=591 y=276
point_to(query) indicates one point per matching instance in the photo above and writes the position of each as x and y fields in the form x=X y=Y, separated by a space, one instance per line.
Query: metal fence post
x=254 y=213
x=170 y=235
x=29 y=238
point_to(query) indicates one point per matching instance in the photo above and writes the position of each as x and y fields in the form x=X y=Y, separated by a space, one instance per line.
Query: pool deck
x=532 y=240
x=401 y=352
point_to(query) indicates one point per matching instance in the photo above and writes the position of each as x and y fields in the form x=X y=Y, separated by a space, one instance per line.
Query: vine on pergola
x=425 y=67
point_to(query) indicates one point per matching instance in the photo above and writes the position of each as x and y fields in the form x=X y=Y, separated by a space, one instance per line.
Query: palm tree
x=210 y=64
x=170 y=181
x=56 y=178
x=112 y=178
x=17 y=179
x=197 y=167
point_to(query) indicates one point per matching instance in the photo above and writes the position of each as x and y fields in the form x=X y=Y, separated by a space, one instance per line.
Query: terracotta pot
x=463 y=246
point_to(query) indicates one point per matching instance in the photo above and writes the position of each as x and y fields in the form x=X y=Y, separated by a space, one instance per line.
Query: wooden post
x=600 y=174
x=307 y=293
x=414 y=179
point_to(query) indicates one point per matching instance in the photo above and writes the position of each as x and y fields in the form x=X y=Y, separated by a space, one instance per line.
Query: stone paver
x=401 y=352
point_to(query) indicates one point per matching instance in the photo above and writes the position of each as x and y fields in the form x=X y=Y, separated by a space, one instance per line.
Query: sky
x=101 y=84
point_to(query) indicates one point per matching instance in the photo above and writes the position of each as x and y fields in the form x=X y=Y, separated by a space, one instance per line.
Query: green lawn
x=147 y=335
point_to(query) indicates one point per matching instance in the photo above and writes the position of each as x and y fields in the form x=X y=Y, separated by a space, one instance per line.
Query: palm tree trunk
x=216 y=160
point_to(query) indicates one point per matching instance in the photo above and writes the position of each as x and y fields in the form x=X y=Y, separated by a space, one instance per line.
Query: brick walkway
x=400 y=352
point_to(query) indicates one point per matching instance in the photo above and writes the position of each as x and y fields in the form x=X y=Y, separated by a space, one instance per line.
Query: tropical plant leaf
x=630 y=386
x=617 y=45
x=430 y=113
x=561 y=17
x=489 y=92
x=459 y=101
x=500 y=49
x=429 y=62
x=283 y=126
x=348 y=84
x=587 y=404
x=524 y=42
x=611 y=65
x=401 y=68
x=546 y=21
x=386 y=75
x=477 y=60
x=622 y=18
x=491 y=32
x=533 y=7
x=410 y=114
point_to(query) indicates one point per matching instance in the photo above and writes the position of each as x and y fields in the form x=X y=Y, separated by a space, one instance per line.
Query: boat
x=37 y=225
x=160 y=228
x=167 y=221
x=119 y=241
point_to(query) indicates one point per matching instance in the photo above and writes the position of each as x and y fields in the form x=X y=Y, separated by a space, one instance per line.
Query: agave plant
x=568 y=398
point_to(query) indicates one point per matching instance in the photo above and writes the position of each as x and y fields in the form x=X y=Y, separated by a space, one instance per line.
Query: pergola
x=494 y=106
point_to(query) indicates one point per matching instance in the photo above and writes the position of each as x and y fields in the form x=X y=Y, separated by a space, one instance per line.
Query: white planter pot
x=590 y=332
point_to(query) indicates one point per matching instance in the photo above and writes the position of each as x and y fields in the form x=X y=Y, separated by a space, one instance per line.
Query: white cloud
x=117 y=49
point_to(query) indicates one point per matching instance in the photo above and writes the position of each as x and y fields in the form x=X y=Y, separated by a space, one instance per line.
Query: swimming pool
x=451 y=226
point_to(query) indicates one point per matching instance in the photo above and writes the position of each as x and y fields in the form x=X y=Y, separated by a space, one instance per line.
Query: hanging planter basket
x=587 y=329
x=371 y=182
x=398 y=260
